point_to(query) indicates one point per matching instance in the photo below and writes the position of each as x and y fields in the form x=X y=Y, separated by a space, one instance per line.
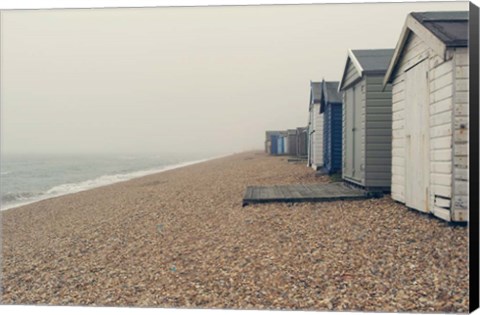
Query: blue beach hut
x=280 y=145
x=274 y=146
x=331 y=108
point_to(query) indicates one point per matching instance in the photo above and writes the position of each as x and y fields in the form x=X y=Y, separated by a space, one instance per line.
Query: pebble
x=101 y=247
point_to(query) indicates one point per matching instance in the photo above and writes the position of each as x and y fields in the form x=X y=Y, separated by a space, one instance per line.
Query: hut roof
x=330 y=94
x=449 y=29
x=373 y=60
x=270 y=133
x=315 y=92
x=302 y=129
x=367 y=61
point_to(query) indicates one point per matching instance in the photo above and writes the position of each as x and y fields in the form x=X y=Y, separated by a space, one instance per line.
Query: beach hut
x=284 y=142
x=279 y=142
x=331 y=108
x=292 y=142
x=272 y=142
x=274 y=146
x=429 y=77
x=315 y=127
x=268 y=141
x=302 y=142
x=367 y=119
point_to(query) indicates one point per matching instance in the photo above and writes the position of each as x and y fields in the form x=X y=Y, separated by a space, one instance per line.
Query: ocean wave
x=18 y=196
x=12 y=200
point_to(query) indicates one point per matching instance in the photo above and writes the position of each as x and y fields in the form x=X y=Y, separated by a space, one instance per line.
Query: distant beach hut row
x=291 y=142
x=398 y=119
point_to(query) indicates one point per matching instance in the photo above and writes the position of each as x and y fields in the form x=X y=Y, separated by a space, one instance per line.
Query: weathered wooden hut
x=292 y=142
x=272 y=142
x=331 y=108
x=302 y=142
x=268 y=141
x=275 y=147
x=367 y=119
x=429 y=77
x=282 y=143
x=315 y=127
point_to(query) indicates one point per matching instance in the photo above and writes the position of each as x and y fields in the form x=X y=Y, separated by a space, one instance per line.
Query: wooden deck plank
x=309 y=191
x=255 y=193
x=269 y=193
x=302 y=193
x=294 y=191
x=278 y=192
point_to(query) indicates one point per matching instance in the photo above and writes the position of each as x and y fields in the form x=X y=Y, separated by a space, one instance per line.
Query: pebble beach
x=182 y=239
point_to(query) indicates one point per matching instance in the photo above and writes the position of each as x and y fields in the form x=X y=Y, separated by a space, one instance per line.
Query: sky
x=207 y=80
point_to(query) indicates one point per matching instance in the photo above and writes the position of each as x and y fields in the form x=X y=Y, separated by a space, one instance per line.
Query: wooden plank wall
x=352 y=74
x=363 y=126
x=347 y=154
x=344 y=132
x=317 y=136
x=414 y=50
x=378 y=142
x=441 y=100
x=448 y=125
x=461 y=130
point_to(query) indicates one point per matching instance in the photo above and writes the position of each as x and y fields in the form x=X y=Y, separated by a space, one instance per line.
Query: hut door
x=349 y=117
x=353 y=136
x=417 y=144
x=357 y=134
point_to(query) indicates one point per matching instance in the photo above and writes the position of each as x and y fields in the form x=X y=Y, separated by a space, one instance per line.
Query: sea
x=27 y=179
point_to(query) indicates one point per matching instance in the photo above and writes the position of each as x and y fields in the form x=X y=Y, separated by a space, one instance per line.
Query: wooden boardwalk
x=297 y=160
x=303 y=193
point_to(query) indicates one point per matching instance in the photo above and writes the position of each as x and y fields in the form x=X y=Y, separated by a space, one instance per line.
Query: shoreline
x=127 y=177
x=183 y=239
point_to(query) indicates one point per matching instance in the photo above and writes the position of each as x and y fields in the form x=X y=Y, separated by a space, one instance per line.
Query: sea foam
x=21 y=199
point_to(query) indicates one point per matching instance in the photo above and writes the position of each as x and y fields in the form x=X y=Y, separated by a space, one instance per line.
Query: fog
x=155 y=80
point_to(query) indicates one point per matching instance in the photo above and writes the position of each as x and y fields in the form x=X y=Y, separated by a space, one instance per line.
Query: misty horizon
x=185 y=80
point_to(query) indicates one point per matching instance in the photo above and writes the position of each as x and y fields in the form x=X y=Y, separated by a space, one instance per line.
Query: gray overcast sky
x=204 y=79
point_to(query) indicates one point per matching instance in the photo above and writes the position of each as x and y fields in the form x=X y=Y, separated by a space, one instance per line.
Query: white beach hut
x=429 y=77
x=315 y=127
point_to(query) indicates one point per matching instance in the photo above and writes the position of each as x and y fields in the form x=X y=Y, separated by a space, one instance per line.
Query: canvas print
x=280 y=157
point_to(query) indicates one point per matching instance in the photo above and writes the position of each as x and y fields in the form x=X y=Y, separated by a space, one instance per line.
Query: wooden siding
x=351 y=75
x=316 y=137
x=414 y=50
x=344 y=127
x=448 y=128
x=302 y=142
x=327 y=138
x=440 y=78
x=292 y=142
x=309 y=138
x=417 y=138
x=378 y=141
x=354 y=159
x=460 y=135
x=332 y=138
x=363 y=127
